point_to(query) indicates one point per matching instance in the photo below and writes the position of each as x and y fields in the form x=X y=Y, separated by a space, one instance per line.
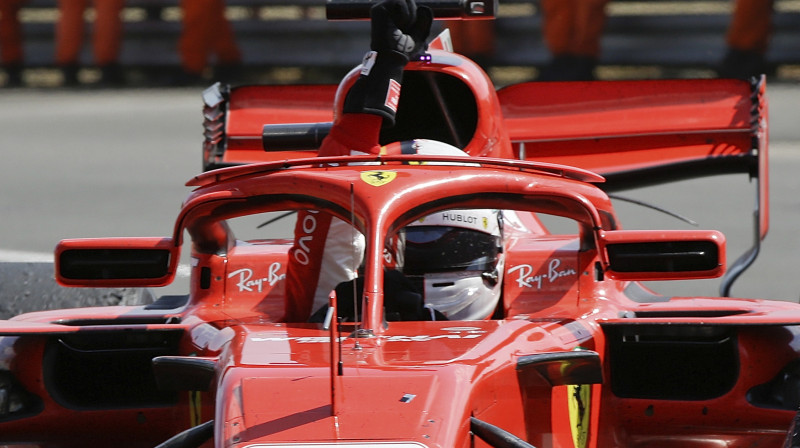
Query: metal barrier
x=670 y=35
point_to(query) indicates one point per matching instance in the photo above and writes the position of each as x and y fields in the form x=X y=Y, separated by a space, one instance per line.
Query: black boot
x=13 y=75
x=186 y=79
x=69 y=75
x=743 y=64
x=111 y=75
x=228 y=73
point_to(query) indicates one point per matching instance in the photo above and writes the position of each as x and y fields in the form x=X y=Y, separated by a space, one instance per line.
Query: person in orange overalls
x=106 y=38
x=748 y=39
x=572 y=31
x=11 y=52
x=206 y=33
x=473 y=38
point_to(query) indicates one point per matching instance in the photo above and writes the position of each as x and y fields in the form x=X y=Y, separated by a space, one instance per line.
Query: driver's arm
x=399 y=33
x=326 y=250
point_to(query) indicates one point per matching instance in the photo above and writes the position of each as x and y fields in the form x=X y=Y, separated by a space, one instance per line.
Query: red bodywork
x=577 y=354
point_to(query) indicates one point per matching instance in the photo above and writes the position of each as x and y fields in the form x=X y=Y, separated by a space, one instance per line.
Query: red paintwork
x=418 y=383
x=253 y=107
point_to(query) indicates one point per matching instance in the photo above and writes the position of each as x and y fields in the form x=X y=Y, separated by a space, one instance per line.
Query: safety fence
x=649 y=38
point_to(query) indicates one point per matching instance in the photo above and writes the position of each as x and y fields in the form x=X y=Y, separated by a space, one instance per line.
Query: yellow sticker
x=378 y=178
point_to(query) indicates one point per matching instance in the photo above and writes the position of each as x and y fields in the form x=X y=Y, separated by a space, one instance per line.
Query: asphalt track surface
x=98 y=163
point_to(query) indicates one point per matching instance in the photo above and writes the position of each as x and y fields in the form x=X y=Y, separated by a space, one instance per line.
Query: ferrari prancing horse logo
x=378 y=178
x=579 y=406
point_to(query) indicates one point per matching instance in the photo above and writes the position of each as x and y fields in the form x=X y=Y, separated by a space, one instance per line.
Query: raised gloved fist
x=400 y=26
x=399 y=31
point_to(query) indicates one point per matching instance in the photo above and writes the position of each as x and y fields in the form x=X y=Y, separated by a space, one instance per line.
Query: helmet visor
x=430 y=249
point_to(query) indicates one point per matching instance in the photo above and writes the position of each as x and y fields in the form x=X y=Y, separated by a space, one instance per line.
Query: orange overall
x=11 y=52
x=576 y=26
x=106 y=35
x=206 y=32
x=751 y=26
x=474 y=39
x=573 y=27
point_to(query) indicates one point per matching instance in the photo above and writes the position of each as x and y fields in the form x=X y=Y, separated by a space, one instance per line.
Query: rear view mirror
x=116 y=262
x=663 y=254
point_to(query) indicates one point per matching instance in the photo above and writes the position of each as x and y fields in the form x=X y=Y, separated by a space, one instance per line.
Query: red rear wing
x=621 y=128
x=234 y=120
x=638 y=133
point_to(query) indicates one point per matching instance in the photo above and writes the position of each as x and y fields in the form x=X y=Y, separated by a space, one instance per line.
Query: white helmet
x=456 y=259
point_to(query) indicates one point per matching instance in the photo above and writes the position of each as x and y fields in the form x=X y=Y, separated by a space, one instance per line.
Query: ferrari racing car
x=572 y=350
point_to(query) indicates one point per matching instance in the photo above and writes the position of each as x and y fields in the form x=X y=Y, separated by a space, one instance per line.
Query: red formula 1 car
x=576 y=352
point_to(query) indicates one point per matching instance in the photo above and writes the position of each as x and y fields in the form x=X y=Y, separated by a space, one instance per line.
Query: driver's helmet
x=455 y=258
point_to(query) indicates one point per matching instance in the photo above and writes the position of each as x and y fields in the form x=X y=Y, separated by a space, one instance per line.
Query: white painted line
x=20 y=256
x=184 y=271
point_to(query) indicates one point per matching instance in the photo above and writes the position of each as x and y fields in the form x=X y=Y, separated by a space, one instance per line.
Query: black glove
x=400 y=26
x=399 y=33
